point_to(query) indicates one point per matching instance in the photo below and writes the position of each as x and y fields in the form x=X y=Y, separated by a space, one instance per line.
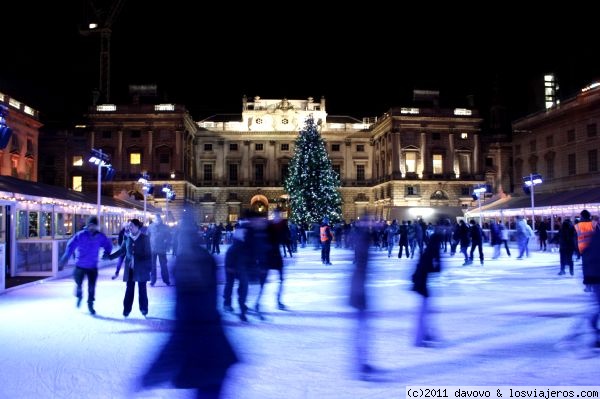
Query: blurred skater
x=428 y=263
x=198 y=353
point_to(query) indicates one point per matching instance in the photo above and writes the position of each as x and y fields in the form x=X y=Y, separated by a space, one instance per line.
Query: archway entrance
x=259 y=204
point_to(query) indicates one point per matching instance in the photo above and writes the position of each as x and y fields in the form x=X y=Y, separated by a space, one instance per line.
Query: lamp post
x=477 y=193
x=169 y=195
x=147 y=189
x=529 y=183
x=101 y=160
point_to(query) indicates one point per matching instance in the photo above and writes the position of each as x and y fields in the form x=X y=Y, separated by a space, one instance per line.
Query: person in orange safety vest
x=326 y=238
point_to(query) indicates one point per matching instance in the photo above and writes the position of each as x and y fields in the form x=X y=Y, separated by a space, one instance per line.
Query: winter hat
x=137 y=222
x=92 y=220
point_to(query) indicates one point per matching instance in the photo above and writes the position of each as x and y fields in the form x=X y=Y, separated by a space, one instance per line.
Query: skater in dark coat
x=268 y=257
x=428 y=263
x=198 y=353
x=358 y=297
x=138 y=263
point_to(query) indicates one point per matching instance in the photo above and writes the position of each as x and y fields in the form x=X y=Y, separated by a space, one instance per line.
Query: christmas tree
x=312 y=184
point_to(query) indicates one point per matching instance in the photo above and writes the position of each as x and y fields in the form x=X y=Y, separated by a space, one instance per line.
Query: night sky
x=363 y=60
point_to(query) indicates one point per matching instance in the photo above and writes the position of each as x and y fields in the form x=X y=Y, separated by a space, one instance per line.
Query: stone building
x=560 y=143
x=417 y=158
x=20 y=157
x=408 y=158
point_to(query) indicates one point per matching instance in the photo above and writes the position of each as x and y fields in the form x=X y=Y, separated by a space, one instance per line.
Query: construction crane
x=100 y=22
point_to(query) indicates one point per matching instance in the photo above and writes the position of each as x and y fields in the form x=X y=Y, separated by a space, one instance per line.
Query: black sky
x=363 y=60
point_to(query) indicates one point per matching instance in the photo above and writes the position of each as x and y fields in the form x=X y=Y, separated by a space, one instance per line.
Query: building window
x=14 y=164
x=335 y=148
x=438 y=161
x=285 y=147
x=410 y=161
x=571 y=135
x=77 y=160
x=517 y=149
x=233 y=147
x=532 y=146
x=489 y=162
x=233 y=172
x=435 y=136
x=164 y=158
x=338 y=170
x=135 y=134
x=360 y=148
x=107 y=134
x=14 y=143
x=593 y=161
x=207 y=147
x=259 y=147
x=135 y=158
x=591 y=130
x=259 y=172
x=572 y=164
x=208 y=172
x=164 y=162
x=29 y=147
x=464 y=136
x=464 y=163
x=550 y=168
x=549 y=141
x=259 y=121
x=360 y=172
x=77 y=184
x=411 y=190
x=465 y=191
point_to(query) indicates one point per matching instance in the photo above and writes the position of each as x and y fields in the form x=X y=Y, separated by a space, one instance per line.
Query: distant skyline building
x=550 y=91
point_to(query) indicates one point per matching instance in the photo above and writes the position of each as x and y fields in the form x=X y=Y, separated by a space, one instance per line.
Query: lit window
x=135 y=158
x=437 y=164
x=464 y=163
x=77 y=160
x=464 y=136
x=411 y=162
x=77 y=183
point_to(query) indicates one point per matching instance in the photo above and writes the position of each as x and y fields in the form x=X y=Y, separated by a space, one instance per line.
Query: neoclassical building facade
x=408 y=160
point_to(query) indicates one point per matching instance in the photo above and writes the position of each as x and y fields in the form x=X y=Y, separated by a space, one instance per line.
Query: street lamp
x=147 y=188
x=528 y=183
x=477 y=193
x=169 y=195
x=101 y=160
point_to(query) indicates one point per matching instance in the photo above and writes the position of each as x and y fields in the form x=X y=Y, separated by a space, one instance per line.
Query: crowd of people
x=257 y=245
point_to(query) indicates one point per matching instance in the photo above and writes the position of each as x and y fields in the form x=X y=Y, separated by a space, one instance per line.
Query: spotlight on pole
x=102 y=160
x=529 y=182
x=148 y=189
x=477 y=193
x=170 y=196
